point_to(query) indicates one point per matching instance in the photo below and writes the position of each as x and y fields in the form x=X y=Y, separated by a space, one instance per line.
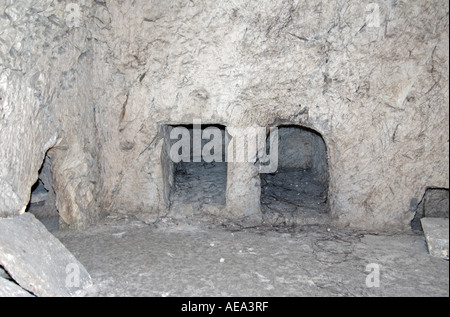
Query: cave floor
x=127 y=257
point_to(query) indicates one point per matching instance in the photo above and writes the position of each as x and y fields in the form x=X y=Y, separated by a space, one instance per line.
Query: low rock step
x=436 y=232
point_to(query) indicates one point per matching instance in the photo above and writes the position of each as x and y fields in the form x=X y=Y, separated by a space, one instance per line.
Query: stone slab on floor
x=436 y=232
x=10 y=289
x=37 y=261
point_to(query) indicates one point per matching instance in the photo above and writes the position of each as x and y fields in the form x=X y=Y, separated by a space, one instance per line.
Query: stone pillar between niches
x=243 y=193
x=243 y=181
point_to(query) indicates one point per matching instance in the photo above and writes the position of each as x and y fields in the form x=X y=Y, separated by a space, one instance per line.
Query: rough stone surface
x=46 y=208
x=9 y=289
x=378 y=94
x=46 y=103
x=436 y=232
x=294 y=198
x=96 y=90
x=37 y=261
x=434 y=204
x=197 y=258
x=296 y=149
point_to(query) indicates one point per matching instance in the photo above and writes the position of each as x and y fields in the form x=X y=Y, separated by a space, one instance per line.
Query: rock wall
x=370 y=77
x=46 y=106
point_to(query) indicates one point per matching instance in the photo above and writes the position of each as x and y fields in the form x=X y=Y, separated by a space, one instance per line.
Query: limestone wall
x=370 y=77
x=46 y=106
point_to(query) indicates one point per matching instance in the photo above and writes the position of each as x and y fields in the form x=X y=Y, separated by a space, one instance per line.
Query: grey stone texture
x=434 y=204
x=199 y=259
x=38 y=261
x=46 y=108
x=436 y=232
x=10 y=289
x=92 y=88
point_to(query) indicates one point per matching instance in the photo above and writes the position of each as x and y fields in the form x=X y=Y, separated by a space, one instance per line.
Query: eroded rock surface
x=98 y=87
x=37 y=261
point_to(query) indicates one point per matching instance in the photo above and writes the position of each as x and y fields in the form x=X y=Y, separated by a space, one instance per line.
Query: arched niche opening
x=298 y=190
